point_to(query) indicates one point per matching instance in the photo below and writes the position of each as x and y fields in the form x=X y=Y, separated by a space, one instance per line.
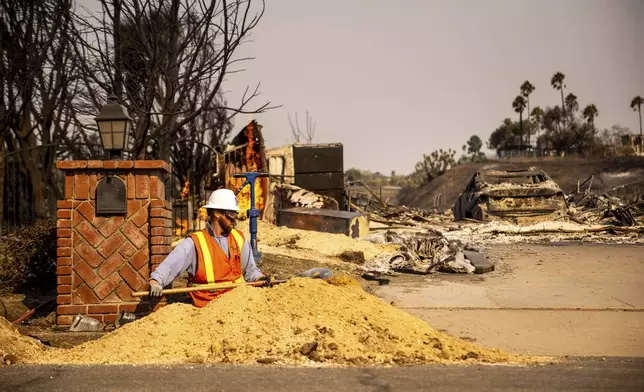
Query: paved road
x=577 y=299
x=579 y=374
x=545 y=332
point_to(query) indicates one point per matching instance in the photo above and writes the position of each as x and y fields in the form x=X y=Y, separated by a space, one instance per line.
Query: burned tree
x=36 y=88
x=192 y=157
x=434 y=165
x=166 y=61
x=300 y=136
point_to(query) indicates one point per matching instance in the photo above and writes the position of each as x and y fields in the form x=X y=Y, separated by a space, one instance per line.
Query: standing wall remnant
x=102 y=258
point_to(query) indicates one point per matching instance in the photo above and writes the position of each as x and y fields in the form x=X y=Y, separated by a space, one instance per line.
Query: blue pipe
x=253 y=213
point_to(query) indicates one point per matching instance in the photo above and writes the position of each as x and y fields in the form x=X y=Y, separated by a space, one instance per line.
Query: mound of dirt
x=565 y=172
x=324 y=243
x=303 y=321
x=14 y=347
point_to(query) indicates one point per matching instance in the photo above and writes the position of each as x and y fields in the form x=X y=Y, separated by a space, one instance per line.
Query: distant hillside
x=565 y=171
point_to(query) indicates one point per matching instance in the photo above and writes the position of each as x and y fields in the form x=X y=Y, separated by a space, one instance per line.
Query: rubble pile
x=15 y=348
x=382 y=212
x=304 y=322
x=420 y=253
x=285 y=196
x=606 y=210
x=410 y=217
x=299 y=197
x=590 y=217
x=483 y=236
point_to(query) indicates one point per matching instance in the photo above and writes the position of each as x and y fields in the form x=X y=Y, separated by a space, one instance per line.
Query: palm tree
x=589 y=113
x=571 y=103
x=518 y=105
x=636 y=104
x=526 y=89
x=557 y=82
x=537 y=115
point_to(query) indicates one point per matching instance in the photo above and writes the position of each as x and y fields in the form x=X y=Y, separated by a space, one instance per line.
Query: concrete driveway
x=583 y=299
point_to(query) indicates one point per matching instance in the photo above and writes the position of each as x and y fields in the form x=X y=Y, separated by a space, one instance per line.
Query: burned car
x=513 y=195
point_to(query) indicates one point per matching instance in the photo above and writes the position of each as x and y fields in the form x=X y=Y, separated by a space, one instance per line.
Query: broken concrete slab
x=479 y=261
x=459 y=264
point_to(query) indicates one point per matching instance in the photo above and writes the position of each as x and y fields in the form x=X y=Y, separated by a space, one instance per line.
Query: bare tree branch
x=35 y=79
x=173 y=53
x=297 y=134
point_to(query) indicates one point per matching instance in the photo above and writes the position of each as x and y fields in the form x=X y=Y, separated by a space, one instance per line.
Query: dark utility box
x=320 y=169
x=352 y=224
x=318 y=158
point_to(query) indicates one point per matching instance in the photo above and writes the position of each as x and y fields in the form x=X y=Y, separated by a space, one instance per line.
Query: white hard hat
x=222 y=199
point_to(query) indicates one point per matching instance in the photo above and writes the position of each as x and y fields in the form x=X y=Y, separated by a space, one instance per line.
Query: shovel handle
x=207 y=287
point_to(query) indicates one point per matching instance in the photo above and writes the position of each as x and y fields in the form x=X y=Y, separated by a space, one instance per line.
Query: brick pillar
x=102 y=259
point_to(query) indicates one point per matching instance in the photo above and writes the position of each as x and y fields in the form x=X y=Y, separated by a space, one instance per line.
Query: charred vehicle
x=514 y=195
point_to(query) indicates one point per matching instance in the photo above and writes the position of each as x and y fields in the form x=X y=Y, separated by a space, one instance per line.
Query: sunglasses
x=231 y=214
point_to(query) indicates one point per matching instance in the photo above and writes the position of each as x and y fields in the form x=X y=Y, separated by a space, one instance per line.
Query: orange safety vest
x=213 y=266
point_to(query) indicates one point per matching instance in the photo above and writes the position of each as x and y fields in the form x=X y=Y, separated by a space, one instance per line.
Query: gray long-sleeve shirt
x=184 y=258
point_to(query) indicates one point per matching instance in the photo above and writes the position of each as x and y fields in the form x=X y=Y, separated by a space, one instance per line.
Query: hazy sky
x=392 y=80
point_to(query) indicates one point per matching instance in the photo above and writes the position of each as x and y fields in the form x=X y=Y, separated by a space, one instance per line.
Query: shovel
x=314 y=273
x=206 y=287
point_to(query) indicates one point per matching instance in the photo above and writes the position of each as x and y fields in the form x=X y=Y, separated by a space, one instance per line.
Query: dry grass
x=28 y=256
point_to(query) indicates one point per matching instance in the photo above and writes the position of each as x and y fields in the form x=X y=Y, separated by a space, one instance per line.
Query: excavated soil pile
x=325 y=243
x=303 y=321
x=15 y=347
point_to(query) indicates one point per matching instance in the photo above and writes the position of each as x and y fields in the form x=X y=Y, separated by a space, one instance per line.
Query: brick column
x=102 y=259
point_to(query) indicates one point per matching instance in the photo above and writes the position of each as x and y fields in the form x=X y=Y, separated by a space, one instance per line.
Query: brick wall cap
x=124 y=166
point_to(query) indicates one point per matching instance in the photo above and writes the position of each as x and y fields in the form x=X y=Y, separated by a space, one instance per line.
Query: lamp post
x=114 y=127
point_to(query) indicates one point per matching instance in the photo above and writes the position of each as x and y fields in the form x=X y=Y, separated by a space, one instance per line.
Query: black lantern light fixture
x=114 y=127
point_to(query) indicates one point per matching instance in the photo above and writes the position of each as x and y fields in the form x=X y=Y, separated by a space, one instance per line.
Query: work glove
x=266 y=278
x=156 y=290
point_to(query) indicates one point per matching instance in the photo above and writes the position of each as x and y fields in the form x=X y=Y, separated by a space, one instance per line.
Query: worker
x=217 y=254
